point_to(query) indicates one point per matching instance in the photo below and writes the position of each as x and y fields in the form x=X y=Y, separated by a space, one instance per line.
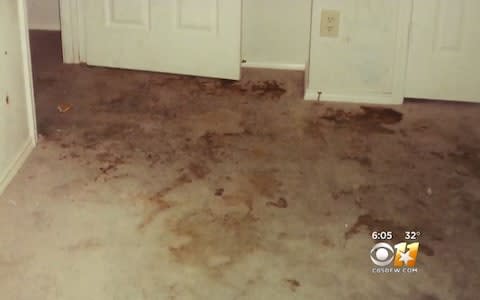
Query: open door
x=444 y=46
x=175 y=36
x=17 y=117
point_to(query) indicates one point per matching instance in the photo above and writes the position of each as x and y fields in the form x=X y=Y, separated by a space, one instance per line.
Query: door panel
x=17 y=118
x=175 y=36
x=444 y=47
x=127 y=13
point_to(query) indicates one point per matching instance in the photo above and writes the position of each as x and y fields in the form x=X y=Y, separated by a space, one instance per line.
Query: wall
x=17 y=129
x=44 y=14
x=276 y=32
x=366 y=62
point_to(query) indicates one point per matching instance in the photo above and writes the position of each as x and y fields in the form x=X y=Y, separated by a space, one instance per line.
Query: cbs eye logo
x=382 y=254
x=403 y=254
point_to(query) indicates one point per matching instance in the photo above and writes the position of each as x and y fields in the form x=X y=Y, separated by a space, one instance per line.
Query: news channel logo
x=400 y=258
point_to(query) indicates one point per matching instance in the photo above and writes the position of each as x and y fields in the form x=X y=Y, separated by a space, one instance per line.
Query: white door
x=444 y=54
x=175 y=36
x=17 y=117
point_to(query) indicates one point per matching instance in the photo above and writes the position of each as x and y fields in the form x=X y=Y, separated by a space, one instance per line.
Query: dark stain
x=327 y=243
x=158 y=202
x=74 y=155
x=107 y=157
x=293 y=284
x=426 y=249
x=209 y=146
x=455 y=183
x=269 y=88
x=153 y=158
x=341 y=193
x=160 y=205
x=219 y=192
x=265 y=183
x=215 y=241
x=280 y=203
x=198 y=170
x=313 y=128
x=112 y=163
x=370 y=119
x=200 y=86
x=354 y=194
x=438 y=154
x=468 y=157
x=232 y=86
x=364 y=161
x=123 y=132
x=105 y=170
x=380 y=115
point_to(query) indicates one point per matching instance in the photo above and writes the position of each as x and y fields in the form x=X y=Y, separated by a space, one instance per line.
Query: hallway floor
x=156 y=186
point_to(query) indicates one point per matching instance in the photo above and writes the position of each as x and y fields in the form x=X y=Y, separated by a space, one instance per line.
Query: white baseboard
x=387 y=99
x=49 y=27
x=275 y=66
x=12 y=169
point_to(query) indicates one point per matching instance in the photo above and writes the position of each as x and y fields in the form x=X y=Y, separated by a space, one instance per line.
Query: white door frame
x=397 y=95
x=73 y=32
x=27 y=69
x=27 y=148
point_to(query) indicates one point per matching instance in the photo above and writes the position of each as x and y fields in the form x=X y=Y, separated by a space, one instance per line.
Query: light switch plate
x=330 y=23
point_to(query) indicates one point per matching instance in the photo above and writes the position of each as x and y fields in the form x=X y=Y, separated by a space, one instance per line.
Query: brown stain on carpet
x=313 y=128
x=469 y=157
x=215 y=241
x=370 y=119
x=198 y=170
x=293 y=284
x=426 y=249
x=280 y=203
x=265 y=183
x=361 y=159
x=268 y=88
x=158 y=202
x=271 y=89
x=160 y=205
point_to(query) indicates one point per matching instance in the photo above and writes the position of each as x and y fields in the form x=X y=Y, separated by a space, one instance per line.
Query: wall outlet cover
x=330 y=23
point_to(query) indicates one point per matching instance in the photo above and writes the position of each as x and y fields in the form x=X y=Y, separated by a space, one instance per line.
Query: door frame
x=73 y=31
x=32 y=140
x=399 y=66
x=27 y=69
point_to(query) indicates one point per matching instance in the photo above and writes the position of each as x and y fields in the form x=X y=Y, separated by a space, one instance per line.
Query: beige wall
x=276 y=32
x=44 y=14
